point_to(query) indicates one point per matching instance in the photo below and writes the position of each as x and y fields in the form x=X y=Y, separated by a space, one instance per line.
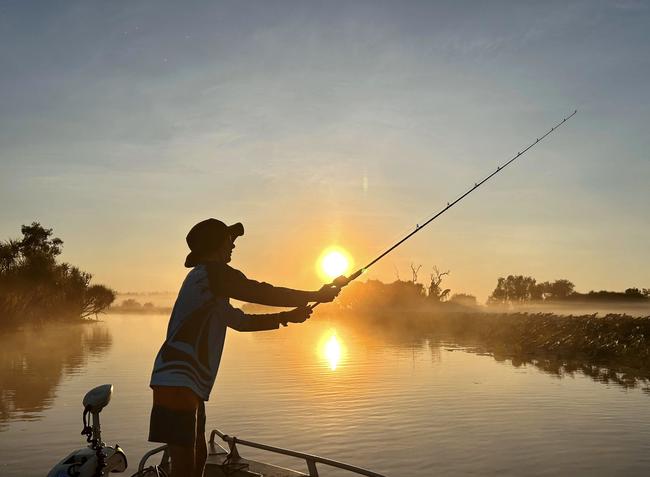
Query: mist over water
x=34 y=361
x=400 y=403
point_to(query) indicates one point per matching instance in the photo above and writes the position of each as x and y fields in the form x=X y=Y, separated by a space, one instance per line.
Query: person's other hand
x=327 y=293
x=297 y=315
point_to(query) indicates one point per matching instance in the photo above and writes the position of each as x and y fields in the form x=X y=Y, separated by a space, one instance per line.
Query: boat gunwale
x=310 y=459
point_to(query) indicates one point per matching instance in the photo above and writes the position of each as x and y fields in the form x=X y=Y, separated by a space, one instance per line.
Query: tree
x=96 y=299
x=131 y=304
x=414 y=273
x=35 y=287
x=560 y=289
x=436 y=293
x=9 y=253
x=514 y=289
x=37 y=242
x=520 y=289
x=499 y=295
x=634 y=293
x=539 y=291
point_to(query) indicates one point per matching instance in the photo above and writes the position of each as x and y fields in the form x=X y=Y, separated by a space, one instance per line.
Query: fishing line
x=449 y=205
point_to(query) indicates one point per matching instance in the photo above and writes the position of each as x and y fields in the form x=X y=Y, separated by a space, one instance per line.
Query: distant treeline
x=520 y=289
x=404 y=294
x=131 y=305
x=512 y=290
x=35 y=287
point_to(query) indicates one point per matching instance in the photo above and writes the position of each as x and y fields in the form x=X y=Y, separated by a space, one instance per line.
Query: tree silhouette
x=34 y=287
x=414 y=273
x=436 y=293
x=557 y=290
x=518 y=289
x=515 y=289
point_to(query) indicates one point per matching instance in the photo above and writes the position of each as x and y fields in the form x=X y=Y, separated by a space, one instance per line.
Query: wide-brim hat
x=207 y=236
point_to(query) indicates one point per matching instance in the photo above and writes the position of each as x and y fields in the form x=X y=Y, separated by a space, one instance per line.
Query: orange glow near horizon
x=333 y=263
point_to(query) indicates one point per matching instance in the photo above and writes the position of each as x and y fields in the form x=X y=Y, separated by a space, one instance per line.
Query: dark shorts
x=177 y=416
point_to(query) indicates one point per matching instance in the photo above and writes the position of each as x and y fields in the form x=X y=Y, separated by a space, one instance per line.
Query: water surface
x=403 y=405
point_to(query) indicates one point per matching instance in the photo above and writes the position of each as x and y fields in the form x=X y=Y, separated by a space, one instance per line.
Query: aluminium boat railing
x=310 y=459
x=155 y=469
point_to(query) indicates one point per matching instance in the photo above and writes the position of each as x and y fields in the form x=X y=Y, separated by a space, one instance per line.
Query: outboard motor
x=97 y=459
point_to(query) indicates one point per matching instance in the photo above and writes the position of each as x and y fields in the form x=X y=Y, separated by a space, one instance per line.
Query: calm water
x=400 y=405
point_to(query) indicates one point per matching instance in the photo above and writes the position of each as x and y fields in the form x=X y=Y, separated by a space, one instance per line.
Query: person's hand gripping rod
x=338 y=283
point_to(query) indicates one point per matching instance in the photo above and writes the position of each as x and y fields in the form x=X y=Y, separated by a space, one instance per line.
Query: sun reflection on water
x=332 y=349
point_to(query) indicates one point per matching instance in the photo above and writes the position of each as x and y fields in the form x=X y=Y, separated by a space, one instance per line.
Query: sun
x=333 y=263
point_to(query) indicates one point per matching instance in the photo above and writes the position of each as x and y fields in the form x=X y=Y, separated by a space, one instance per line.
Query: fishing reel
x=97 y=459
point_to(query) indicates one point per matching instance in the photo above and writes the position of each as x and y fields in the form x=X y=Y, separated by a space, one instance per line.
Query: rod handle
x=342 y=281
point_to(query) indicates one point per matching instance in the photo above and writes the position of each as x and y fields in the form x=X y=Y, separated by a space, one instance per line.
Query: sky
x=320 y=123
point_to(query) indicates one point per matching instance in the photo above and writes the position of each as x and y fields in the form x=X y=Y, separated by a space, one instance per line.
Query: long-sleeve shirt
x=196 y=333
x=231 y=283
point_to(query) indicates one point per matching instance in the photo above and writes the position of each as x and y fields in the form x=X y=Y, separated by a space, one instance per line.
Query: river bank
x=618 y=342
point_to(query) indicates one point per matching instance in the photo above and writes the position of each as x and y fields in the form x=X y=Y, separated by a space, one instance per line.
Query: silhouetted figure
x=186 y=365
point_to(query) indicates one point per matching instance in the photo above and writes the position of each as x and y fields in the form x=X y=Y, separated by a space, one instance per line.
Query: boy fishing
x=186 y=366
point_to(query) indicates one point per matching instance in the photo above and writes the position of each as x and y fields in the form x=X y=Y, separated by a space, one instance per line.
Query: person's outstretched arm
x=229 y=282
x=240 y=321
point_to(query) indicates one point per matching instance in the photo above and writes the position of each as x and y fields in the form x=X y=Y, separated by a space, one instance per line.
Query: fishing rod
x=343 y=281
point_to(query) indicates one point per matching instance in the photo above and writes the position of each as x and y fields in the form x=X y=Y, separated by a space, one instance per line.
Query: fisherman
x=186 y=365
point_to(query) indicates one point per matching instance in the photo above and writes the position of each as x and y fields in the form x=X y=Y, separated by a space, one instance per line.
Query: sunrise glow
x=333 y=263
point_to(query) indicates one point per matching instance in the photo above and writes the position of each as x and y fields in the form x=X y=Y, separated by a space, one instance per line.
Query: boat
x=227 y=462
x=224 y=460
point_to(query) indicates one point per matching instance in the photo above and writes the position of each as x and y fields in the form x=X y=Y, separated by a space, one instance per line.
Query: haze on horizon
x=331 y=123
